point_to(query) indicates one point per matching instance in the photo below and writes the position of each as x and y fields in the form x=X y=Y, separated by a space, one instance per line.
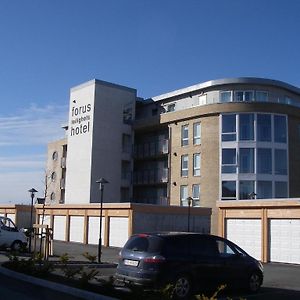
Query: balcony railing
x=63 y=162
x=151 y=149
x=62 y=183
x=150 y=176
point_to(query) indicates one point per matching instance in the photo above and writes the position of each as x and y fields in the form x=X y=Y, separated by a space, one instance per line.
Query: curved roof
x=229 y=81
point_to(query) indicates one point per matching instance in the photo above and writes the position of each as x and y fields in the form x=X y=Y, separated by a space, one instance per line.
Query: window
x=228 y=190
x=202 y=99
x=281 y=189
x=183 y=195
x=184 y=165
x=229 y=160
x=280 y=129
x=243 y=95
x=127 y=114
x=225 y=96
x=264 y=189
x=261 y=96
x=246 y=189
x=171 y=107
x=184 y=135
x=196 y=194
x=264 y=161
x=197 y=162
x=126 y=143
x=264 y=128
x=280 y=161
x=53 y=176
x=228 y=128
x=54 y=155
x=246 y=160
x=246 y=127
x=52 y=196
x=224 y=249
x=197 y=133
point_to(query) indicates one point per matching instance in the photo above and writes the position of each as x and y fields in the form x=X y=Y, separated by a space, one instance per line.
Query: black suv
x=190 y=261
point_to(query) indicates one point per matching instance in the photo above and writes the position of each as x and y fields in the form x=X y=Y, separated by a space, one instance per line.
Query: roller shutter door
x=246 y=233
x=118 y=231
x=284 y=240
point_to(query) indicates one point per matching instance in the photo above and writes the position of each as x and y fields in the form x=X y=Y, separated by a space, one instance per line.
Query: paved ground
x=282 y=281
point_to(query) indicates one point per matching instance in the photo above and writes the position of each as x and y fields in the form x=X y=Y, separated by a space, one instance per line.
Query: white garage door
x=284 y=240
x=59 y=230
x=76 y=229
x=246 y=233
x=118 y=231
x=93 y=230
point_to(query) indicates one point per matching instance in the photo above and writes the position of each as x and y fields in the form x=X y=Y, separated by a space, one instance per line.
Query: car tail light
x=154 y=259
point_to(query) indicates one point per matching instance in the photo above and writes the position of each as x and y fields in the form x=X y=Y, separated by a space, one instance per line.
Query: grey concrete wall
x=150 y=222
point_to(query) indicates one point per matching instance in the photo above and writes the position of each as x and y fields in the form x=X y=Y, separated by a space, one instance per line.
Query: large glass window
x=197 y=133
x=185 y=135
x=246 y=160
x=281 y=189
x=247 y=189
x=183 y=195
x=280 y=161
x=228 y=190
x=246 y=127
x=264 y=161
x=225 y=96
x=196 y=194
x=184 y=165
x=264 y=128
x=197 y=163
x=229 y=162
x=264 y=189
x=228 y=128
x=280 y=129
x=261 y=96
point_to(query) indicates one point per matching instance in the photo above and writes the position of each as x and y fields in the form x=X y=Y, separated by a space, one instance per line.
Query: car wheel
x=16 y=246
x=254 y=282
x=182 y=287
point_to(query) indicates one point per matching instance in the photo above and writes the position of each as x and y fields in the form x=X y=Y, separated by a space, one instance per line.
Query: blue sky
x=156 y=46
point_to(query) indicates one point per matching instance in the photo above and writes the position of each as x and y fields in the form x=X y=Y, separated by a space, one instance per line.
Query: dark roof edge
x=228 y=81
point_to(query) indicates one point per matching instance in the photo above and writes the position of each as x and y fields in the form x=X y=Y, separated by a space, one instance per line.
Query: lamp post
x=101 y=182
x=32 y=192
x=190 y=201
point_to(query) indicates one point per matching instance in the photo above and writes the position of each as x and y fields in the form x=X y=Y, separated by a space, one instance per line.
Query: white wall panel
x=118 y=231
x=284 y=240
x=59 y=230
x=76 y=229
x=93 y=230
x=246 y=233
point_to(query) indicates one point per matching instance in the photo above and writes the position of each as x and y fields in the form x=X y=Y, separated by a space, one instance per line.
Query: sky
x=50 y=46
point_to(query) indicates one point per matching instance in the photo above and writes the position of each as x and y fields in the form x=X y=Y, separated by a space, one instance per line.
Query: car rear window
x=144 y=243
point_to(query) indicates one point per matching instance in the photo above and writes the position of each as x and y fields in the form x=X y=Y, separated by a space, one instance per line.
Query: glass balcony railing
x=151 y=176
x=151 y=149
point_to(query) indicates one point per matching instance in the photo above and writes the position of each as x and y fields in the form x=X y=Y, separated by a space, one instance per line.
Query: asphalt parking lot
x=281 y=281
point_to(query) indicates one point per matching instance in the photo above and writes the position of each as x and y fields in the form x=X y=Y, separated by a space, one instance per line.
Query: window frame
x=196 y=168
x=184 y=130
x=197 y=138
x=184 y=170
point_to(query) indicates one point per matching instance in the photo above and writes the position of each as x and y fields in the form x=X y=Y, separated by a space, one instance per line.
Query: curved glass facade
x=254 y=156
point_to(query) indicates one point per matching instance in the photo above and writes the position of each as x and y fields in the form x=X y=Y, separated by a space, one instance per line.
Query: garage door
x=59 y=231
x=118 y=231
x=76 y=229
x=246 y=233
x=93 y=230
x=284 y=240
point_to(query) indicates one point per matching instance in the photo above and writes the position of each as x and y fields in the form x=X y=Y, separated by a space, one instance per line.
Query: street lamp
x=101 y=182
x=32 y=192
x=190 y=201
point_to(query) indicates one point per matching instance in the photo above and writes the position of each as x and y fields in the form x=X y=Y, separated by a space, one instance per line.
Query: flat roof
x=229 y=81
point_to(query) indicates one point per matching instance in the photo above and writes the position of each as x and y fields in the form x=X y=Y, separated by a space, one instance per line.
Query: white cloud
x=32 y=126
x=23 y=140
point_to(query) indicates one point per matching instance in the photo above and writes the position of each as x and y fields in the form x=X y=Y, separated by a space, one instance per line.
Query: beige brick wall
x=209 y=149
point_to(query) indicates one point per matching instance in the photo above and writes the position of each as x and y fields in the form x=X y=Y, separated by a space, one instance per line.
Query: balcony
x=151 y=149
x=63 y=162
x=156 y=176
x=62 y=183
